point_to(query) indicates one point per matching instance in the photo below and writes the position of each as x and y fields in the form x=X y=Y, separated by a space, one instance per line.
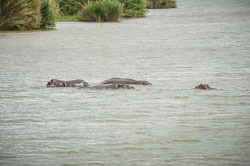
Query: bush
x=133 y=8
x=106 y=10
x=36 y=6
x=25 y=14
x=19 y=14
x=112 y=10
x=160 y=4
x=71 y=7
x=48 y=20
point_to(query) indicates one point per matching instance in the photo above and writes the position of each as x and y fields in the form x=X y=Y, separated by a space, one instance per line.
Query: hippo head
x=144 y=83
x=203 y=86
x=53 y=83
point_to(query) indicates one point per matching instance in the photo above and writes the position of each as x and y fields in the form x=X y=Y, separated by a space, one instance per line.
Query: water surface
x=168 y=123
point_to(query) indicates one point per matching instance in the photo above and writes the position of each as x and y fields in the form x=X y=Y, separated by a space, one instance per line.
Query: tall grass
x=25 y=14
x=19 y=14
x=112 y=10
x=72 y=7
x=99 y=11
x=160 y=4
x=54 y=5
x=48 y=19
x=36 y=6
x=133 y=8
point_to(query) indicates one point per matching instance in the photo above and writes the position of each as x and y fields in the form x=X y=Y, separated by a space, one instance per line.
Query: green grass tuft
x=99 y=11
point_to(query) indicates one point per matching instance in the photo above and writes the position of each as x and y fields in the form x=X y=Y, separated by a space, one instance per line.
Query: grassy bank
x=38 y=14
x=66 y=19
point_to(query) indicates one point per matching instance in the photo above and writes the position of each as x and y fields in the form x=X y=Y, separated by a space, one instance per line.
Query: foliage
x=25 y=14
x=106 y=10
x=133 y=8
x=48 y=20
x=71 y=7
x=112 y=10
x=54 y=5
x=60 y=18
x=160 y=4
x=19 y=14
x=36 y=6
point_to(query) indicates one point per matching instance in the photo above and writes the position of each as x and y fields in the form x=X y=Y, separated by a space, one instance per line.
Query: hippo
x=124 y=81
x=73 y=83
x=112 y=86
x=204 y=87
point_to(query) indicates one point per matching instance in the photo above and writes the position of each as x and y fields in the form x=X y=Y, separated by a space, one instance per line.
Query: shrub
x=133 y=8
x=19 y=14
x=54 y=5
x=36 y=6
x=48 y=20
x=106 y=10
x=112 y=10
x=159 y=4
x=71 y=7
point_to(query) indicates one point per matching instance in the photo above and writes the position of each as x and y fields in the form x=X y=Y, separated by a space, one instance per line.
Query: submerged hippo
x=112 y=86
x=204 y=87
x=73 y=83
x=124 y=81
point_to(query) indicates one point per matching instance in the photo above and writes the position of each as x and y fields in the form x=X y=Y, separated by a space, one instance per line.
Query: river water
x=168 y=123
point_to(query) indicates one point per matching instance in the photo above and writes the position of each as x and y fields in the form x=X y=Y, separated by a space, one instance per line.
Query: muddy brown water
x=168 y=123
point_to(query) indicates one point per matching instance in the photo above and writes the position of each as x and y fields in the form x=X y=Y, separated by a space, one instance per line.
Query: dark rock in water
x=73 y=83
x=124 y=81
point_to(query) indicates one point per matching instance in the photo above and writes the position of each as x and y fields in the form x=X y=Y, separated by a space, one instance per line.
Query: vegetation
x=71 y=7
x=18 y=14
x=24 y=14
x=133 y=8
x=99 y=11
x=48 y=20
x=60 y=18
x=35 y=14
x=160 y=4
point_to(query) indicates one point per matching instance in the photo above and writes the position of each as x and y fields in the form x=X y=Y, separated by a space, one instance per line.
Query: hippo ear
x=54 y=81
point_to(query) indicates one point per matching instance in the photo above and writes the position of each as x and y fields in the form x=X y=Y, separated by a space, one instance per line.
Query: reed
x=25 y=14
x=72 y=7
x=48 y=19
x=19 y=14
x=99 y=11
x=112 y=10
x=161 y=4
x=131 y=8
x=134 y=8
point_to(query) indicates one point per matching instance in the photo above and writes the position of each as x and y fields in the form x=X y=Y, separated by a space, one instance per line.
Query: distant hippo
x=73 y=83
x=112 y=86
x=124 y=81
x=204 y=87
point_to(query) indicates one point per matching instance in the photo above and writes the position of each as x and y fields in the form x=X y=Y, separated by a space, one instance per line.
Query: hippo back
x=124 y=81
